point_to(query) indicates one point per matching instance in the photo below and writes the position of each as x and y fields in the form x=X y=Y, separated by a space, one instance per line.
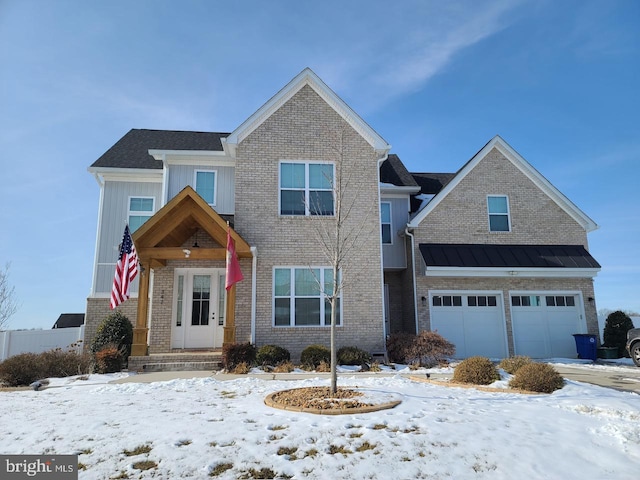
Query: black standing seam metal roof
x=132 y=150
x=506 y=256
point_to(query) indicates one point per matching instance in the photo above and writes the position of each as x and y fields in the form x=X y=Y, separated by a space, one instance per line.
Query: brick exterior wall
x=462 y=217
x=304 y=128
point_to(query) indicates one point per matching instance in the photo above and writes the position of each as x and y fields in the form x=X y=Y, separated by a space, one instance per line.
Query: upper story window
x=140 y=210
x=498 y=207
x=299 y=301
x=385 y=222
x=306 y=188
x=206 y=185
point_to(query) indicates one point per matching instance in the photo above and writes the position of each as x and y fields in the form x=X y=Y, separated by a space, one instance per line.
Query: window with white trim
x=482 y=300
x=298 y=300
x=205 y=181
x=306 y=188
x=446 y=300
x=560 y=301
x=498 y=207
x=140 y=210
x=385 y=222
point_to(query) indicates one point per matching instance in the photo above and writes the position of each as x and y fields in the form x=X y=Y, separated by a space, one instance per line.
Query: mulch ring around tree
x=320 y=401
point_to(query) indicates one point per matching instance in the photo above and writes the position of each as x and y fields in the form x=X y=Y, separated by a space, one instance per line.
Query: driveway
x=623 y=378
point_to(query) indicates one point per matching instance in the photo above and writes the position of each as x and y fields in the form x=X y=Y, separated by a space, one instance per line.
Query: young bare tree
x=8 y=305
x=341 y=234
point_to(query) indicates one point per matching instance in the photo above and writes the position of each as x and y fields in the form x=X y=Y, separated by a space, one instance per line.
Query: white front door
x=198 y=308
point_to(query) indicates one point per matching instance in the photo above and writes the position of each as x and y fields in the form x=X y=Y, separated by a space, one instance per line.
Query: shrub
x=284 y=367
x=110 y=359
x=428 y=349
x=513 y=364
x=272 y=355
x=537 y=377
x=425 y=349
x=615 y=331
x=323 y=367
x=476 y=370
x=115 y=329
x=399 y=346
x=312 y=355
x=233 y=354
x=26 y=368
x=21 y=369
x=352 y=356
x=241 y=369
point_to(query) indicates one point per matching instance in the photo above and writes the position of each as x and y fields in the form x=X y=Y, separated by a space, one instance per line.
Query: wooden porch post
x=139 y=347
x=230 y=324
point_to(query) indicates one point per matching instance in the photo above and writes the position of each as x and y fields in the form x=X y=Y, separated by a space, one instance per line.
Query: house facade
x=280 y=183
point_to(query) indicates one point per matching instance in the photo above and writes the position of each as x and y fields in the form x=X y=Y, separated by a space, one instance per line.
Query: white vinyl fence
x=13 y=342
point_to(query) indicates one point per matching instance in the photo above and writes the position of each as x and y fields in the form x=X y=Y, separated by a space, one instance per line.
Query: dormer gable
x=523 y=166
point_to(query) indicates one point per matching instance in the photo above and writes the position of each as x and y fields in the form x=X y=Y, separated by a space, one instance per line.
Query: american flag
x=126 y=270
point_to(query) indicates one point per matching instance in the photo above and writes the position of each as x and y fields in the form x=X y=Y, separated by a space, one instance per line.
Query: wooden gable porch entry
x=162 y=238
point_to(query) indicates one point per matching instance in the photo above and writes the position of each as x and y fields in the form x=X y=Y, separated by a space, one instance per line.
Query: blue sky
x=559 y=81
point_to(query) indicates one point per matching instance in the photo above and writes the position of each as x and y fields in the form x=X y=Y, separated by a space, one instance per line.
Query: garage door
x=473 y=322
x=544 y=324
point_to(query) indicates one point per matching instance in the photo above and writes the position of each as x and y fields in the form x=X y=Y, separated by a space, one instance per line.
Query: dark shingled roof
x=67 y=320
x=432 y=183
x=393 y=171
x=510 y=256
x=132 y=150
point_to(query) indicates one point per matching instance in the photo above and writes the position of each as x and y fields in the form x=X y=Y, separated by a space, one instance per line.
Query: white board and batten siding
x=115 y=208
x=395 y=254
x=182 y=175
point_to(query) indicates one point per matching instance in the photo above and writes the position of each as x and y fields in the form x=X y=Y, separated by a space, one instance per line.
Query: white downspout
x=384 y=326
x=254 y=275
x=413 y=277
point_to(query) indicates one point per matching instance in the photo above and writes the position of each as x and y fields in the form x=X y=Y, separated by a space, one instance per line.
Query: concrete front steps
x=176 y=362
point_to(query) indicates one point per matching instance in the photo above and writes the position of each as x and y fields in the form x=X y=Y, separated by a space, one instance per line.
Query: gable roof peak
x=304 y=78
x=525 y=167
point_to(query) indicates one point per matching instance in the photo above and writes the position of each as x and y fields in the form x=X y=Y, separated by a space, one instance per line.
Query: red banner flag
x=234 y=274
x=126 y=270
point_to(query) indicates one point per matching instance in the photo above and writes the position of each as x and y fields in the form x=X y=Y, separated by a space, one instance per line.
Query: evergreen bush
x=353 y=356
x=313 y=355
x=233 y=354
x=615 y=332
x=115 y=329
x=476 y=370
x=272 y=355
x=537 y=377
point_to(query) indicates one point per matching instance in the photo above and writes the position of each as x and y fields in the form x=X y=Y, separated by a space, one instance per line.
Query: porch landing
x=176 y=362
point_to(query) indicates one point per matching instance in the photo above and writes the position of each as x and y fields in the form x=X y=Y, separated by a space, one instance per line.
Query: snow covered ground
x=208 y=428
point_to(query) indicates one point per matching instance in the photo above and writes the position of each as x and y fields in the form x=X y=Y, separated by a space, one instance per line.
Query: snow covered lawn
x=207 y=428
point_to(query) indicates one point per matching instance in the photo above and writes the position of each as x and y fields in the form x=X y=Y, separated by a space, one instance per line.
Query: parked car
x=633 y=345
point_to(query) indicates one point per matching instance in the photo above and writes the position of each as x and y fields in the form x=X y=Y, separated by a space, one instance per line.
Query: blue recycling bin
x=586 y=345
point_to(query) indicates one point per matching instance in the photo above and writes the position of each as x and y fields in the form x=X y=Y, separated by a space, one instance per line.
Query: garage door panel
x=563 y=323
x=546 y=330
x=474 y=330
x=530 y=337
x=449 y=323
